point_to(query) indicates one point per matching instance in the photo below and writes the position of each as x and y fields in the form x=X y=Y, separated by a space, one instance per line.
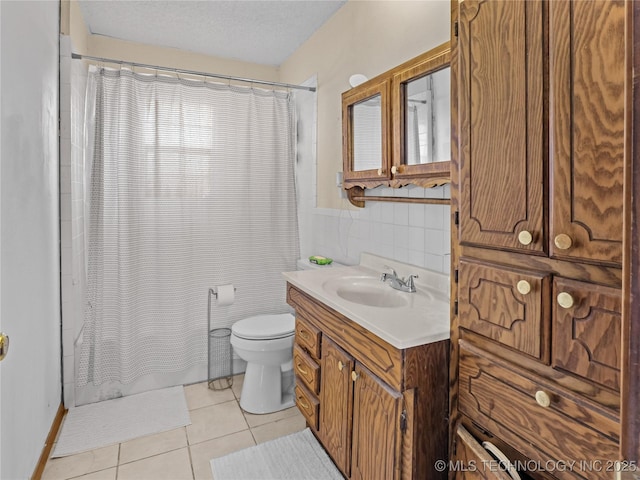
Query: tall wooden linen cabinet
x=540 y=93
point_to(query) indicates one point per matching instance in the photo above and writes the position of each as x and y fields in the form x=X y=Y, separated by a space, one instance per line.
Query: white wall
x=30 y=310
x=73 y=81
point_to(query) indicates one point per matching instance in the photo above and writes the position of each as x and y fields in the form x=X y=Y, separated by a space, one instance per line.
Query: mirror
x=427 y=118
x=366 y=118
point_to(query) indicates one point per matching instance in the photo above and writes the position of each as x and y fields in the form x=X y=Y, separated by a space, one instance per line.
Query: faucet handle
x=410 y=284
x=393 y=272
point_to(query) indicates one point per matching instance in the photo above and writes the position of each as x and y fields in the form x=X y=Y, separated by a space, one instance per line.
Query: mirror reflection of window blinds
x=441 y=115
x=367 y=135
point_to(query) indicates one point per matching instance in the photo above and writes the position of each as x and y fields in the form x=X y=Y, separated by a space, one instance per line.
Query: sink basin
x=368 y=291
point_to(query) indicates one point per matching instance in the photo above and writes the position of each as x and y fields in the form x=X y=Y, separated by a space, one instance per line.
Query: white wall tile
x=433 y=242
x=401 y=237
x=416 y=215
x=400 y=213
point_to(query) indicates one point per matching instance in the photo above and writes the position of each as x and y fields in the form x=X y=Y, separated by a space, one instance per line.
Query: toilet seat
x=265 y=327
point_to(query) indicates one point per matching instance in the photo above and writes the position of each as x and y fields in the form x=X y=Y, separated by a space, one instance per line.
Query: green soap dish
x=318 y=260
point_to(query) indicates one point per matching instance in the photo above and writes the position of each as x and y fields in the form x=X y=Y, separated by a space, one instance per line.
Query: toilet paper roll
x=225 y=294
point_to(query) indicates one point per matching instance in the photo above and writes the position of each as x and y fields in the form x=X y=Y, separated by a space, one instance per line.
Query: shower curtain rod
x=192 y=72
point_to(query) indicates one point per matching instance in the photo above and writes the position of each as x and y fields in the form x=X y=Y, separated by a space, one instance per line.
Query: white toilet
x=265 y=342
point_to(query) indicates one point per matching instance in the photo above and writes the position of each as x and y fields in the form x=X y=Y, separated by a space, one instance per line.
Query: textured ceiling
x=264 y=31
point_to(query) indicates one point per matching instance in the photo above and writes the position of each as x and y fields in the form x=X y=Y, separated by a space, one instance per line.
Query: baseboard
x=48 y=445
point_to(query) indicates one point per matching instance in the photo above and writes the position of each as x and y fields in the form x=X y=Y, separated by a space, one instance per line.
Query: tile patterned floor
x=218 y=427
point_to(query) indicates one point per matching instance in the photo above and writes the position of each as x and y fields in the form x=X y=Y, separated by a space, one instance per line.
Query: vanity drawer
x=506 y=305
x=306 y=369
x=308 y=336
x=542 y=420
x=308 y=405
x=474 y=462
x=587 y=322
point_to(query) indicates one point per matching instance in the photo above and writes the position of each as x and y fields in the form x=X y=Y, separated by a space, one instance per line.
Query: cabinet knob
x=525 y=237
x=379 y=171
x=394 y=169
x=340 y=365
x=543 y=398
x=565 y=300
x=524 y=287
x=354 y=376
x=563 y=241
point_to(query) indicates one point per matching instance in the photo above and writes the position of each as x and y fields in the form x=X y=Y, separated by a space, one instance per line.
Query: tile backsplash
x=418 y=234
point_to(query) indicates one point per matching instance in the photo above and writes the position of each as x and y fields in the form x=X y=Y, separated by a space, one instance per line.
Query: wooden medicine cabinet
x=397 y=127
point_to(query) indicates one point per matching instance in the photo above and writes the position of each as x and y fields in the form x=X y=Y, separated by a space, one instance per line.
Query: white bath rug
x=115 y=421
x=298 y=456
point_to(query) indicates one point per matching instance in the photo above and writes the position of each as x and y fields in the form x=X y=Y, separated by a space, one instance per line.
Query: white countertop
x=423 y=318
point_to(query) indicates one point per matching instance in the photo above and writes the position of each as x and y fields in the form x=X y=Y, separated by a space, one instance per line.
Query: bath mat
x=115 y=421
x=298 y=456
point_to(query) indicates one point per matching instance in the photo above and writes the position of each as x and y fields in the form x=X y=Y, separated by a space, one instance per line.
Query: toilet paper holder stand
x=220 y=351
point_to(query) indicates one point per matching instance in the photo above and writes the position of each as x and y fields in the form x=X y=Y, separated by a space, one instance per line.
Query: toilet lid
x=262 y=327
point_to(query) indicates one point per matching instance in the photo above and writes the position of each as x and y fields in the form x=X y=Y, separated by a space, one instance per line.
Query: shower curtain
x=190 y=185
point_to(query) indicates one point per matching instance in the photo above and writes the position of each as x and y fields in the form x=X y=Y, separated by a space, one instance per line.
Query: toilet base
x=262 y=390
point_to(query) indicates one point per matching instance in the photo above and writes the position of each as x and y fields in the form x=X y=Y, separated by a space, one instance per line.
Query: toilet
x=265 y=342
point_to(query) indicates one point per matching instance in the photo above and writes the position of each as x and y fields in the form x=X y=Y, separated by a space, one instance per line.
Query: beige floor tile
x=174 y=465
x=280 y=428
x=200 y=395
x=108 y=474
x=257 y=420
x=237 y=385
x=215 y=421
x=81 y=463
x=202 y=453
x=153 y=445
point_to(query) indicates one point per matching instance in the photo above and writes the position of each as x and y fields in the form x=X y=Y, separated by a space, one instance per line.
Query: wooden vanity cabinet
x=382 y=411
x=537 y=226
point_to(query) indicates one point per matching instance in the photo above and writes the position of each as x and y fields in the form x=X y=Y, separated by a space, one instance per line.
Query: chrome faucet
x=404 y=285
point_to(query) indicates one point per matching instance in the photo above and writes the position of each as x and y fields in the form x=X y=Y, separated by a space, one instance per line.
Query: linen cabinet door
x=587 y=331
x=336 y=404
x=501 y=124
x=507 y=305
x=376 y=428
x=587 y=85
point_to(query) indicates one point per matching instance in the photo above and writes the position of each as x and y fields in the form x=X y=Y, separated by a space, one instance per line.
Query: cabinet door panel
x=336 y=404
x=587 y=335
x=587 y=83
x=501 y=124
x=491 y=305
x=376 y=429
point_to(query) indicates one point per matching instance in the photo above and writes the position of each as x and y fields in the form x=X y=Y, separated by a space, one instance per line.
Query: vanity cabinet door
x=376 y=432
x=587 y=85
x=501 y=124
x=336 y=404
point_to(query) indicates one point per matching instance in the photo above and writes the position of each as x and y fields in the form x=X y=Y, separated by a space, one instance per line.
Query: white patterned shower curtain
x=190 y=185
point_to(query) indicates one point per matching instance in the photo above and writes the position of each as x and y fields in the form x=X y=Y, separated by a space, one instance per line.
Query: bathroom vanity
x=371 y=367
